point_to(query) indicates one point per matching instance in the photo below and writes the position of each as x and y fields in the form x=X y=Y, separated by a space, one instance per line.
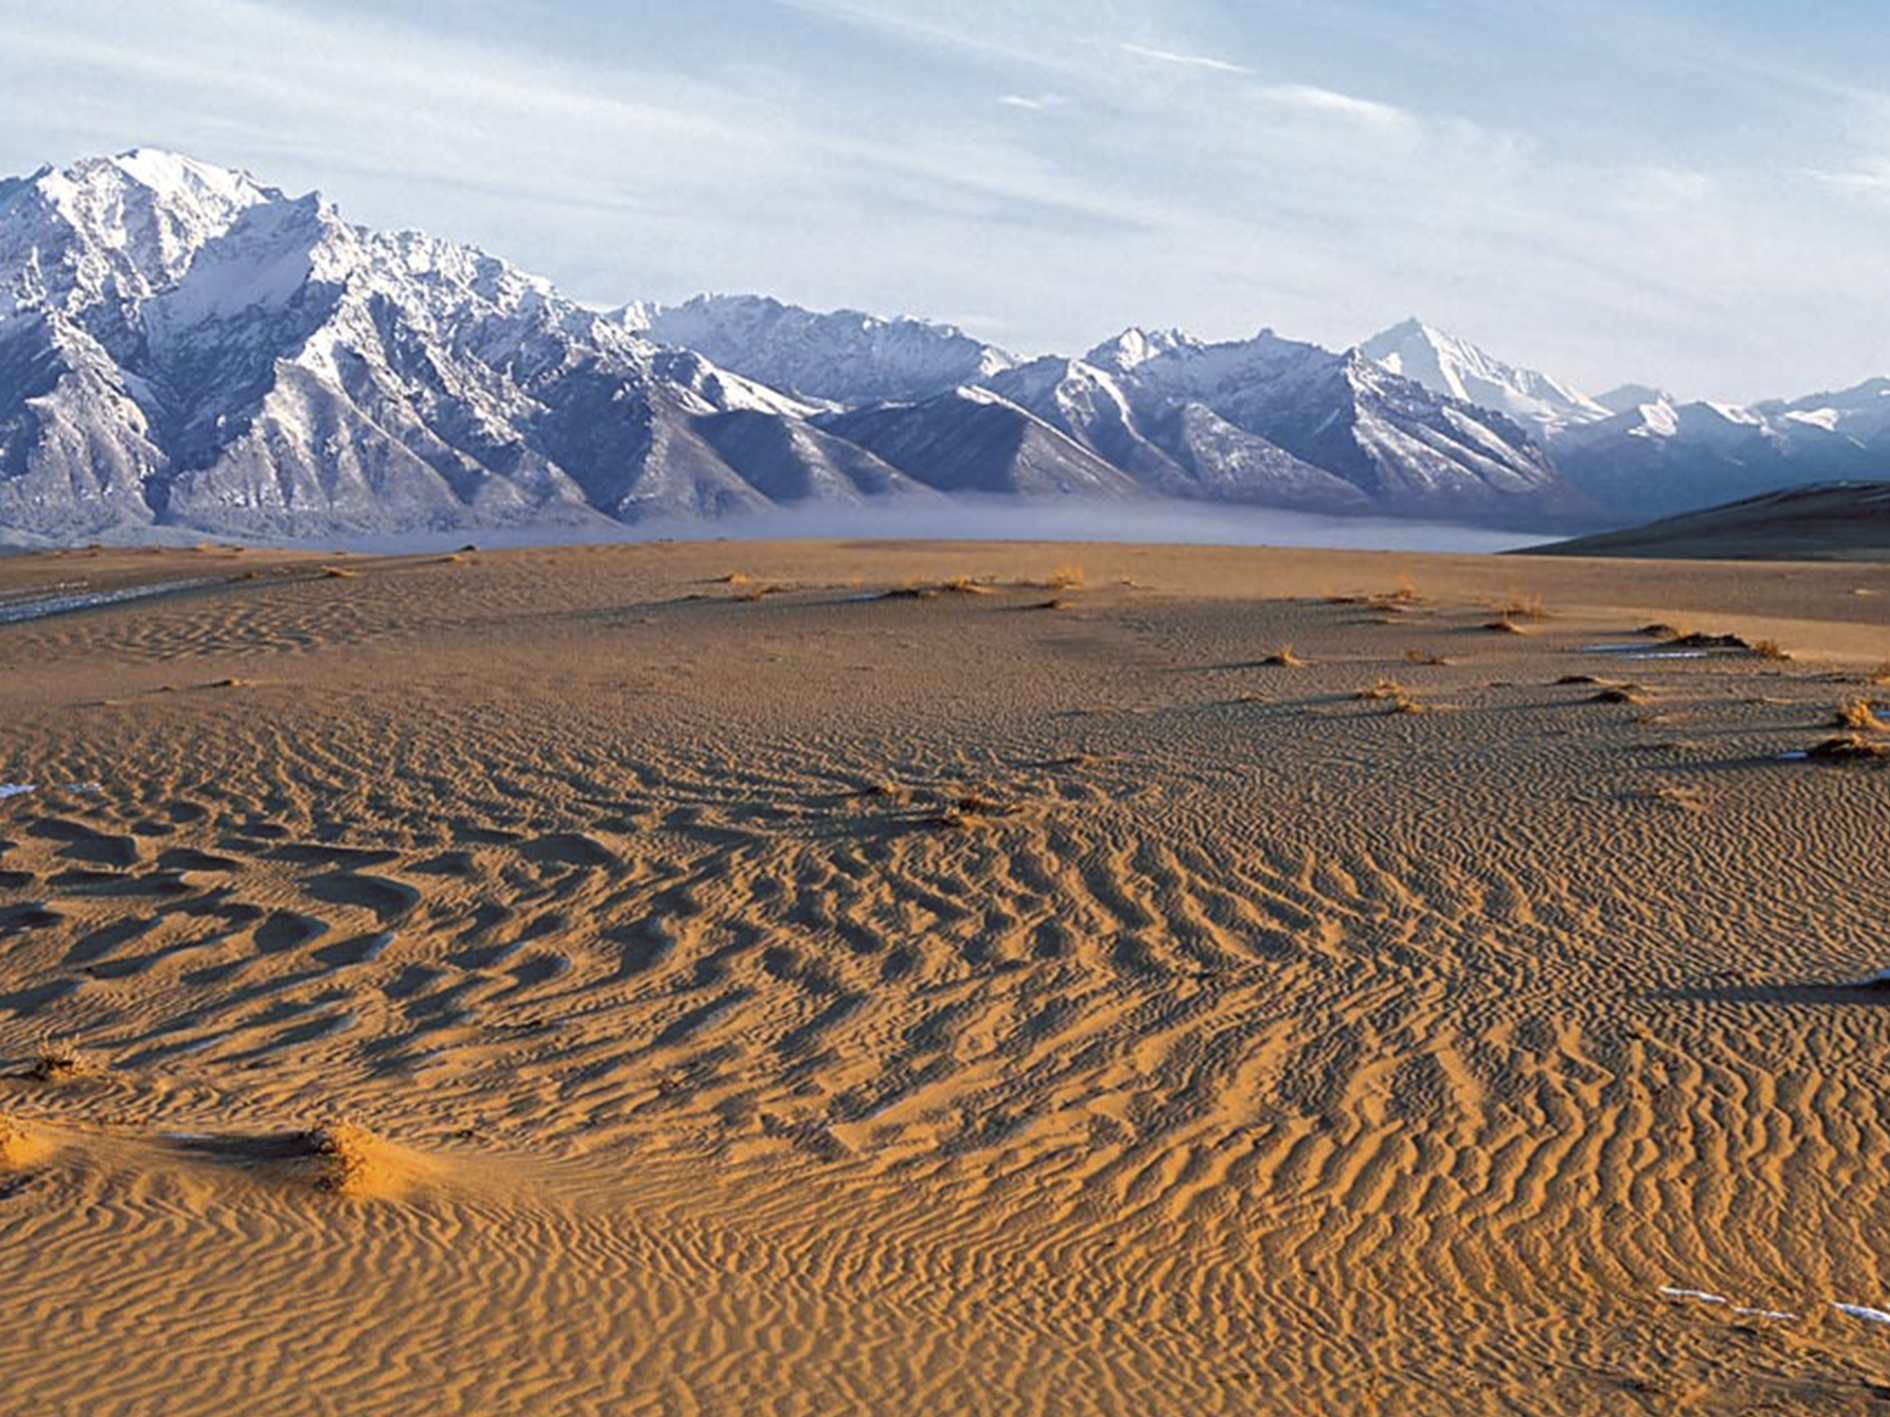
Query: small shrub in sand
x=737 y=578
x=1849 y=749
x=965 y=585
x=19 y=1145
x=1503 y=625
x=1859 y=715
x=1383 y=689
x=1064 y=577
x=57 y=1061
x=1522 y=607
x=1770 y=649
x=1402 y=596
x=338 y=573
x=1283 y=657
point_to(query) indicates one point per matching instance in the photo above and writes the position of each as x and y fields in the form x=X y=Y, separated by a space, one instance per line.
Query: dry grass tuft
x=1521 y=607
x=1504 y=626
x=1383 y=689
x=1284 y=657
x=1403 y=596
x=965 y=585
x=1770 y=649
x=338 y=573
x=1849 y=749
x=1859 y=715
x=57 y=1062
x=1418 y=656
x=737 y=578
x=1067 y=576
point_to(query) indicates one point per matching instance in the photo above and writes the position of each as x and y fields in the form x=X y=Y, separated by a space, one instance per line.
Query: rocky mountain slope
x=183 y=346
x=1638 y=451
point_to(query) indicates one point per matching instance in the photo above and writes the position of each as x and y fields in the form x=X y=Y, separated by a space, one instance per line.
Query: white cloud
x=1870 y=182
x=1035 y=103
x=1304 y=98
x=1191 y=61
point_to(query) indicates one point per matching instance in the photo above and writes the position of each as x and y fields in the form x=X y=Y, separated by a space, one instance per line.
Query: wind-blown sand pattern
x=678 y=979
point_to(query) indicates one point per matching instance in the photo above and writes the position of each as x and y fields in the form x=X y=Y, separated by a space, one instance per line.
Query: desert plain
x=826 y=978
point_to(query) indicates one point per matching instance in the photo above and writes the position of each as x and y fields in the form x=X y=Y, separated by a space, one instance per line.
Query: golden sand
x=1255 y=987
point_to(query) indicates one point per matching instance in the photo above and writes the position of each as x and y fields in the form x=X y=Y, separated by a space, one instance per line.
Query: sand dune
x=762 y=995
x=1830 y=521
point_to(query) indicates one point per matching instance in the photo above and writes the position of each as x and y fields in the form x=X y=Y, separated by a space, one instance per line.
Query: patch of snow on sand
x=1858 y=1311
x=1697 y=1294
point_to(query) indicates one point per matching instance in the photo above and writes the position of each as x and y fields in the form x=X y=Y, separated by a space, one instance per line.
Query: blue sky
x=1687 y=193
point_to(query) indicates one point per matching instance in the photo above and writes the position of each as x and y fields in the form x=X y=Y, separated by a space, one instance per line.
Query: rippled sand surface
x=741 y=991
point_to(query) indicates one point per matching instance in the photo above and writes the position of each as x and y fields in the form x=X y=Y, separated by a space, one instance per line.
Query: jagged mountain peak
x=839 y=357
x=1136 y=346
x=1451 y=365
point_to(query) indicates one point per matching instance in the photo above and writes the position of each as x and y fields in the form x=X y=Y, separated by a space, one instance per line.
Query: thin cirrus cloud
x=1304 y=99
x=1870 y=182
x=1185 y=61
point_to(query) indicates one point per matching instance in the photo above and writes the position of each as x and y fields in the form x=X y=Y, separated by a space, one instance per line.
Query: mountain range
x=182 y=346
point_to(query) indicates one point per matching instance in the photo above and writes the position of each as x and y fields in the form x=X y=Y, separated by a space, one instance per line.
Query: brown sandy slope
x=1825 y=522
x=801 y=1002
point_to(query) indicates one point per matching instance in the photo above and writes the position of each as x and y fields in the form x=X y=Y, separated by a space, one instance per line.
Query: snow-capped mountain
x=183 y=345
x=840 y=357
x=1861 y=413
x=1406 y=448
x=1447 y=365
x=969 y=439
x=1657 y=456
x=1181 y=450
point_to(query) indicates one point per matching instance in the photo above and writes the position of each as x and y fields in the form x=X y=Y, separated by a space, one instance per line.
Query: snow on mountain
x=1861 y=413
x=1658 y=457
x=183 y=345
x=1182 y=450
x=1401 y=444
x=970 y=440
x=1454 y=367
x=1632 y=396
x=842 y=357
